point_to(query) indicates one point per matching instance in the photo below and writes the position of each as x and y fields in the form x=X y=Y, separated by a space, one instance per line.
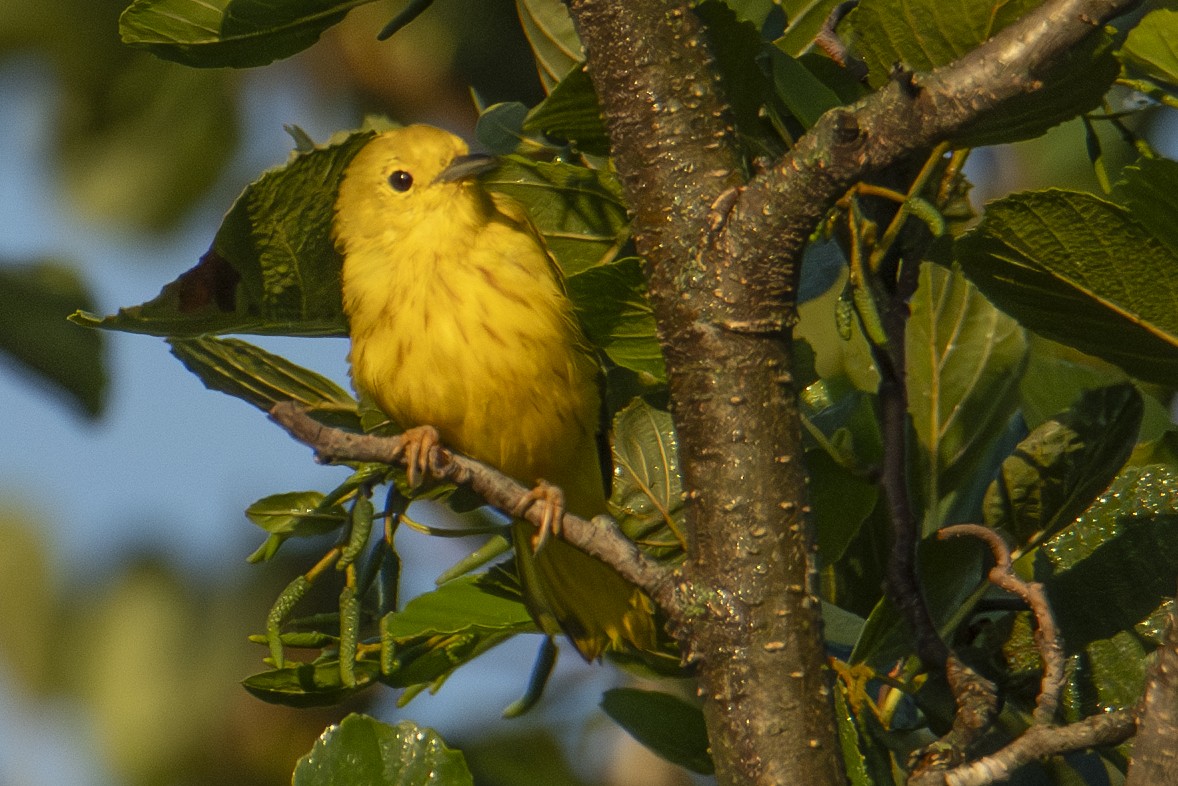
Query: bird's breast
x=480 y=342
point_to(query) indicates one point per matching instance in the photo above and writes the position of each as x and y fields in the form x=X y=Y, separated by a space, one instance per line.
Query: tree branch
x=1155 y=759
x=722 y=256
x=599 y=537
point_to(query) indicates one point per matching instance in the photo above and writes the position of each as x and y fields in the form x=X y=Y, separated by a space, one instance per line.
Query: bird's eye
x=400 y=180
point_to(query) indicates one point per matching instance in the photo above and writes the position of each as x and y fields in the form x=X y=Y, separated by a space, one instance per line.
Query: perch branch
x=599 y=537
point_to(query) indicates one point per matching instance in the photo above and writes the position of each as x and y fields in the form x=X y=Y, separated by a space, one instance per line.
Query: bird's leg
x=552 y=498
x=417 y=445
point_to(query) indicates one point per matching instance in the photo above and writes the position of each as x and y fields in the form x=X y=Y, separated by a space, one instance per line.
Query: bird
x=462 y=331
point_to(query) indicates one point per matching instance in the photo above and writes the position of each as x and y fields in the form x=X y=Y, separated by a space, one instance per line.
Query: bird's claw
x=417 y=446
x=552 y=517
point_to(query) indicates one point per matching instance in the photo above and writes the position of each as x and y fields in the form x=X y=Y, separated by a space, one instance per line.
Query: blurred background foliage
x=128 y=657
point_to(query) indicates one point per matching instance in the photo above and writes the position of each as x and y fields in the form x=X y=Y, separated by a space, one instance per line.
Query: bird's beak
x=467 y=166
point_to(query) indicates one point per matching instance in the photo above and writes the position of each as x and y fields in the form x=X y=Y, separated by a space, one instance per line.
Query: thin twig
x=1037 y=742
x=599 y=537
x=1047 y=636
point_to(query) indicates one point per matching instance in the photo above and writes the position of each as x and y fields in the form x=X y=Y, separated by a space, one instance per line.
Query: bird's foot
x=417 y=446
x=552 y=520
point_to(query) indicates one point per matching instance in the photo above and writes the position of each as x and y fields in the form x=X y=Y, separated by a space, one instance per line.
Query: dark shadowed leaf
x=611 y=300
x=1060 y=468
x=924 y=34
x=35 y=301
x=1149 y=189
x=362 y=751
x=1118 y=562
x=309 y=684
x=571 y=113
x=667 y=725
x=1081 y=271
x=235 y=33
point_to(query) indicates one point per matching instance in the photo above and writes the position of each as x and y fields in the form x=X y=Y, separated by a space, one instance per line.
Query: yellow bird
x=459 y=320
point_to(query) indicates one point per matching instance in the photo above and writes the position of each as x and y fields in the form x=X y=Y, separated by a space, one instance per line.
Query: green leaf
x=1117 y=563
x=1060 y=468
x=553 y=38
x=309 y=684
x=1149 y=191
x=571 y=113
x=34 y=303
x=611 y=300
x=925 y=34
x=647 y=495
x=263 y=379
x=273 y=268
x=1080 y=270
x=296 y=514
x=802 y=93
x=667 y=725
x=805 y=19
x=579 y=212
x=500 y=128
x=468 y=604
x=965 y=359
x=234 y=33
x=1056 y=376
x=362 y=751
x=1151 y=49
x=841 y=501
x=1075 y=84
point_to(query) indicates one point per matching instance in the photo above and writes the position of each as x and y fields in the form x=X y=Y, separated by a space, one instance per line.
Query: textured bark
x=1155 y=753
x=723 y=254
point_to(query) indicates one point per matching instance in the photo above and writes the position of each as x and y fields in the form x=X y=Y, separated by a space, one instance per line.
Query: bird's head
x=405 y=175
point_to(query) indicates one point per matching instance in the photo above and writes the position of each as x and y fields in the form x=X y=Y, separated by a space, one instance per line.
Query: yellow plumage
x=459 y=320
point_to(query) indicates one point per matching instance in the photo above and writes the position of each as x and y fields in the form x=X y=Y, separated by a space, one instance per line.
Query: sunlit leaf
x=804 y=19
x=1081 y=271
x=667 y=725
x=965 y=359
x=362 y=751
x=579 y=212
x=464 y=605
x=235 y=33
x=1151 y=49
x=554 y=41
x=1056 y=472
x=34 y=303
x=611 y=300
x=647 y=488
x=264 y=379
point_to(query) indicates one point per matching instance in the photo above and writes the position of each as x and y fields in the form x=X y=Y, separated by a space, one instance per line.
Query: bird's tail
x=569 y=591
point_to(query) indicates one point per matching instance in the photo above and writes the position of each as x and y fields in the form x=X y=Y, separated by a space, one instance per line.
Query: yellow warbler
x=459 y=320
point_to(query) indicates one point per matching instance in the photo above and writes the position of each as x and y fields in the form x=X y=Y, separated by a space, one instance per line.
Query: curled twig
x=1047 y=638
x=600 y=537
